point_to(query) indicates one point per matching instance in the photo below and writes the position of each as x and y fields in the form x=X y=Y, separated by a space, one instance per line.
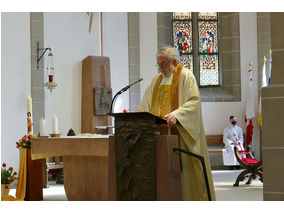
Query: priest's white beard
x=167 y=74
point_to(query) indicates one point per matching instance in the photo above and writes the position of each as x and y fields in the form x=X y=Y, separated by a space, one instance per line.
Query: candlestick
x=29 y=115
x=54 y=125
x=42 y=127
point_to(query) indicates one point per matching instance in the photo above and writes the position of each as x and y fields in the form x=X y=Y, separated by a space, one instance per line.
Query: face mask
x=234 y=122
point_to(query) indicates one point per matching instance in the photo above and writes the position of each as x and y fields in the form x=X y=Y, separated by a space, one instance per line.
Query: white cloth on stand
x=231 y=134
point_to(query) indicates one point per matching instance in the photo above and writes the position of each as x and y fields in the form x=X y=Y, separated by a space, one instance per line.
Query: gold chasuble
x=178 y=94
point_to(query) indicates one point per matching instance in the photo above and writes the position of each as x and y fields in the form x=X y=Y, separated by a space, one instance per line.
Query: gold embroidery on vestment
x=165 y=97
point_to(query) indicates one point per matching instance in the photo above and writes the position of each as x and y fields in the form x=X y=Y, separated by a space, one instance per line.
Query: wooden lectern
x=137 y=163
x=146 y=167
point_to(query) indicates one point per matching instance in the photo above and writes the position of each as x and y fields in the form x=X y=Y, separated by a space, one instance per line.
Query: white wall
x=67 y=34
x=216 y=115
x=115 y=46
x=15 y=83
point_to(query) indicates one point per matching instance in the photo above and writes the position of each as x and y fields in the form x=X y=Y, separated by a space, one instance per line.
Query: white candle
x=54 y=125
x=29 y=115
x=42 y=127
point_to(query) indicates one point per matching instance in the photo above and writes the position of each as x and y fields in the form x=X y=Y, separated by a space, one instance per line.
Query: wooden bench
x=215 y=143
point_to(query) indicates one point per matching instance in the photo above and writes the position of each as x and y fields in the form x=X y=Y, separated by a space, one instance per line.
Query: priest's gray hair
x=169 y=51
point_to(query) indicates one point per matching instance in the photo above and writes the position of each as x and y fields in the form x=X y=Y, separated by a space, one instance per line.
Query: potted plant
x=7 y=177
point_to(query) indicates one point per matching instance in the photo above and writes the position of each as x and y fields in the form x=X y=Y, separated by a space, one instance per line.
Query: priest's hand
x=171 y=120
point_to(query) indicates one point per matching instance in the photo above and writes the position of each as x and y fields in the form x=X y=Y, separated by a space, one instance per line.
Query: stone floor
x=223 y=184
x=225 y=191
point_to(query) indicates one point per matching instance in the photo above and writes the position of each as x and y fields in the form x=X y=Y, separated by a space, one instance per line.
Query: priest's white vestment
x=231 y=134
x=189 y=126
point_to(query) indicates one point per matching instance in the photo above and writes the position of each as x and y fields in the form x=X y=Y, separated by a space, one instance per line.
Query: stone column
x=37 y=75
x=134 y=59
x=37 y=79
x=273 y=116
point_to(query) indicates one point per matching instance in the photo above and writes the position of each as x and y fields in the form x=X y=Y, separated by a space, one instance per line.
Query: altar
x=85 y=164
x=90 y=171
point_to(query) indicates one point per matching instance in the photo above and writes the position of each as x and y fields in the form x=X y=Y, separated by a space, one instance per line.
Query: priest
x=174 y=94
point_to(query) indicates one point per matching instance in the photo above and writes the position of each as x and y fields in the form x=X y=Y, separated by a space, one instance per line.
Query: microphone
x=122 y=91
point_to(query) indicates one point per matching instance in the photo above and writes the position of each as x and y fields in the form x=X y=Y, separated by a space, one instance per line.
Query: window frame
x=195 y=39
x=199 y=54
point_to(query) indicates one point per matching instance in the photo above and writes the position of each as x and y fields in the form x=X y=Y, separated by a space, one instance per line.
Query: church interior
x=50 y=58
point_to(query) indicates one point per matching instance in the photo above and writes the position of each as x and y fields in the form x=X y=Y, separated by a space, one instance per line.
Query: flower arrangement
x=7 y=175
x=25 y=141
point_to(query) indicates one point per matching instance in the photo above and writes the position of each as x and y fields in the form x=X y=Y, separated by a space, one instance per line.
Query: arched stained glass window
x=207 y=55
x=208 y=49
x=182 y=37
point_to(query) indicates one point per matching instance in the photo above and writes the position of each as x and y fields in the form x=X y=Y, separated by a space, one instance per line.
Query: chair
x=252 y=166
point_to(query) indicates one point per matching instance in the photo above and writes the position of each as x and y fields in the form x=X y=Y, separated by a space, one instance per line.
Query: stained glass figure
x=208 y=49
x=182 y=36
x=209 y=71
x=208 y=42
x=182 y=15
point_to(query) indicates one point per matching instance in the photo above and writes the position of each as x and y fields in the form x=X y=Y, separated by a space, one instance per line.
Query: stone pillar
x=273 y=116
x=134 y=59
x=37 y=75
x=37 y=78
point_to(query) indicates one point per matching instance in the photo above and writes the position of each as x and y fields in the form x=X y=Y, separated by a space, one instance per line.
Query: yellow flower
x=20 y=140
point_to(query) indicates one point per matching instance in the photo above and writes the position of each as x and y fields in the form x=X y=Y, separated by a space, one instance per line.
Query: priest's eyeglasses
x=163 y=64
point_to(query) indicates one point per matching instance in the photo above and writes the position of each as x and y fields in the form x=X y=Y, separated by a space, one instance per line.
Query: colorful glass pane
x=209 y=72
x=181 y=15
x=186 y=61
x=208 y=42
x=207 y=15
x=182 y=32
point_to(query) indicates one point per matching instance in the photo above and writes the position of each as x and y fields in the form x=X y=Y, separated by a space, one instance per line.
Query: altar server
x=232 y=136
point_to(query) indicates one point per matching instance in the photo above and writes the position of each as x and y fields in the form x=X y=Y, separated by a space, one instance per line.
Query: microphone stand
x=120 y=92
